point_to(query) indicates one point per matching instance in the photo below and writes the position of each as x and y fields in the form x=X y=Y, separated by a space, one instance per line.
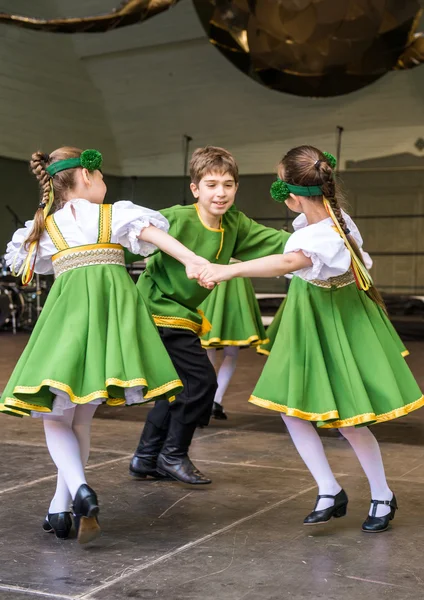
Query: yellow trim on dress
x=105 y=223
x=76 y=249
x=262 y=351
x=333 y=415
x=55 y=234
x=221 y=230
x=199 y=329
x=253 y=340
x=7 y=409
x=405 y=353
x=99 y=394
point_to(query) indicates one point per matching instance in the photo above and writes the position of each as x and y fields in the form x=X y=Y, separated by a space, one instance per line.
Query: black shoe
x=339 y=508
x=58 y=523
x=218 y=412
x=173 y=459
x=181 y=469
x=143 y=463
x=86 y=510
x=145 y=466
x=374 y=524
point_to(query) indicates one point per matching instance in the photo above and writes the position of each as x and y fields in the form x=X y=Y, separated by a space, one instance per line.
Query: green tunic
x=173 y=299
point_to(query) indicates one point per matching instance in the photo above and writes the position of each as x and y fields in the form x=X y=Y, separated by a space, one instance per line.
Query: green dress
x=233 y=311
x=271 y=332
x=336 y=358
x=95 y=339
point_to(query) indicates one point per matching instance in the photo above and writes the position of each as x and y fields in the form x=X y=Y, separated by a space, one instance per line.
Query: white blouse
x=128 y=220
x=324 y=246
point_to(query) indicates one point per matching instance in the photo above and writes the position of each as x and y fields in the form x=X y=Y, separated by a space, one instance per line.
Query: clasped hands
x=206 y=273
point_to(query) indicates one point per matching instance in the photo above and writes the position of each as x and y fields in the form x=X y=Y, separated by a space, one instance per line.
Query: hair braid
x=306 y=165
x=38 y=167
x=62 y=183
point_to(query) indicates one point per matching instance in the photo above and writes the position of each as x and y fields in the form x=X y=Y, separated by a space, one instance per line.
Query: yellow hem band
x=253 y=340
x=99 y=394
x=181 y=323
x=334 y=416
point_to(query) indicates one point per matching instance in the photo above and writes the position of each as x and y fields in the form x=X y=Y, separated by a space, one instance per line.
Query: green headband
x=280 y=190
x=89 y=159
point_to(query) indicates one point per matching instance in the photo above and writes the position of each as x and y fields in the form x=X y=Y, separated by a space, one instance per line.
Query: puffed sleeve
x=324 y=247
x=128 y=220
x=16 y=252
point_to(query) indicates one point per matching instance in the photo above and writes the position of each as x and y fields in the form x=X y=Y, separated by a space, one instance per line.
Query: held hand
x=194 y=266
x=214 y=274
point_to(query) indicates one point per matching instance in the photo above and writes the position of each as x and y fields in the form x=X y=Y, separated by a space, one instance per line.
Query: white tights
x=366 y=448
x=68 y=441
x=226 y=370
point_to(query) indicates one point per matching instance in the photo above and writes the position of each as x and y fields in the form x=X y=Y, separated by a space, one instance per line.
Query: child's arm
x=269 y=266
x=174 y=248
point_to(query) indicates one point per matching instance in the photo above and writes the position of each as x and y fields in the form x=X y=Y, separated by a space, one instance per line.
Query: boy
x=216 y=230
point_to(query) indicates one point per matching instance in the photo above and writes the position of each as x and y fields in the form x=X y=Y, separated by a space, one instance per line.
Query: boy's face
x=215 y=193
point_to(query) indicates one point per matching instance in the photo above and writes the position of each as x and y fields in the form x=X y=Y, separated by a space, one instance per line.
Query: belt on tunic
x=334 y=282
x=86 y=256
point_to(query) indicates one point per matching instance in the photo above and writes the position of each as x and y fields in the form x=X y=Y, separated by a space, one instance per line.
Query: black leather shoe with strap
x=373 y=524
x=86 y=510
x=337 y=510
x=58 y=523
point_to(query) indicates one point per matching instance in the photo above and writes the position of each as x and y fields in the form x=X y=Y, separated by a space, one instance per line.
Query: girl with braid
x=95 y=340
x=336 y=359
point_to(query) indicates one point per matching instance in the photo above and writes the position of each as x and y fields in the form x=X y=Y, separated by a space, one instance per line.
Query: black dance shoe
x=181 y=469
x=373 y=524
x=339 y=509
x=218 y=412
x=58 y=523
x=145 y=466
x=86 y=510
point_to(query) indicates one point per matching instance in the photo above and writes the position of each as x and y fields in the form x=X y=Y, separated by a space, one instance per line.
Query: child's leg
x=311 y=450
x=368 y=452
x=79 y=420
x=61 y=501
x=211 y=352
x=226 y=371
x=81 y=426
x=64 y=449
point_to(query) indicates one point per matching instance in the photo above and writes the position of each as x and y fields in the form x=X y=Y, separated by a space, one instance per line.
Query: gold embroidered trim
x=405 y=353
x=105 y=223
x=182 y=323
x=334 y=282
x=158 y=391
x=221 y=230
x=253 y=340
x=8 y=409
x=294 y=412
x=335 y=424
x=260 y=350
x=85 y=256
x=55 y=233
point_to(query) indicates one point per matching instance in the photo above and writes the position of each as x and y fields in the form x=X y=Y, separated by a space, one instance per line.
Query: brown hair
x=307 y=166
x=211 y=159
x=62 y=182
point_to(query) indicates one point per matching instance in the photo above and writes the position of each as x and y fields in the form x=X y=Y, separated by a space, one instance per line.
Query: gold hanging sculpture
x=304 y=47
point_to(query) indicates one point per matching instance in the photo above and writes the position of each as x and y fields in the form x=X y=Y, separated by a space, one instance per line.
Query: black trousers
x=194 y=404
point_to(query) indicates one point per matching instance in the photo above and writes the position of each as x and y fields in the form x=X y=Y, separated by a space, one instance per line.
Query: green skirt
x=95 y=340
x=336 y=360
x=271 y=331
x=233 y=311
